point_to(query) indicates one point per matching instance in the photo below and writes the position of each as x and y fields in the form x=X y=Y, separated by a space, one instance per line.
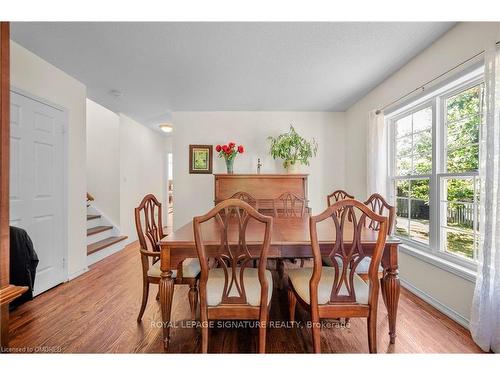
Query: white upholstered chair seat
x=216 y=279
x=300 y=277
x=362 y=266
x=190 y=268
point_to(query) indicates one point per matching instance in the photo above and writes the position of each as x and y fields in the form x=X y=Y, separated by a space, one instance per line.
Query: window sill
x=440 y=262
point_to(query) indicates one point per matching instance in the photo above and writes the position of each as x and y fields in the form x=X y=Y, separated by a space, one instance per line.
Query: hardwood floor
x=96 y=313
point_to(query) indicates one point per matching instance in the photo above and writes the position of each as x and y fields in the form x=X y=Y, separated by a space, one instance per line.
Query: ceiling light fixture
x=167 y=128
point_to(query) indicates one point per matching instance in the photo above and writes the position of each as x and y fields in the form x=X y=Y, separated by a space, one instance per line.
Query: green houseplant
x=293 y=149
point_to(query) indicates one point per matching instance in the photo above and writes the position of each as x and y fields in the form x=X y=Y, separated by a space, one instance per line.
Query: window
x=434 y=170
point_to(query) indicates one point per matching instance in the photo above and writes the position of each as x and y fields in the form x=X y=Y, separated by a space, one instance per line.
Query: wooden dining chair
x=246 y=197
x=288 y=204
x=234 y=290
x=379 y=205
x=336 y=196
x=338 y=291
x=149 y=212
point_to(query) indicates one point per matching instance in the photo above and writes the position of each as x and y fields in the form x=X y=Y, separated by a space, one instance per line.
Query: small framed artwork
x=200 y=159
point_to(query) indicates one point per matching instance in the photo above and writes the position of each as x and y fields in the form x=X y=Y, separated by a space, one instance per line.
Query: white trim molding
x=440 y=262
x=449 y=312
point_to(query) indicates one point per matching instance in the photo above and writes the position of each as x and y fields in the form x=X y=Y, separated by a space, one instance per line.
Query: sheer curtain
x=376 y=154
x=485 y=314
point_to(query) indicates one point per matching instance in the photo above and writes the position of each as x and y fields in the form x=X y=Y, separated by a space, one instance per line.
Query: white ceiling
x=195 y=66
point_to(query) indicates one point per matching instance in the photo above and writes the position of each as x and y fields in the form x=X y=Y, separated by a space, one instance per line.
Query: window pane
x=422 y=152
x=462 y=131
x=422 y=120
x=403 y=166
x=403 y=147
x=459 y=211
x=460 y=243
x=403 y=126
x=464 y=159
x=419 y=210
x=403 y=188
x=459 y=189
x=463 y=104
x=402 y=217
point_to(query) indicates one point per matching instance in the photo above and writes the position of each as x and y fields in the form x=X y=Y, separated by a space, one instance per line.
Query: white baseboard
x=74 y=275
x=450 y=313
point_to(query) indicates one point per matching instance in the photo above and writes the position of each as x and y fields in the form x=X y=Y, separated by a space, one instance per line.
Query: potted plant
x=293 y=149
x=229 y=152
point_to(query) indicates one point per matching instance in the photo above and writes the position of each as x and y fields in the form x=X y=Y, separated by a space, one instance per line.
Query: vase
x=229 y=166
x=293 y=168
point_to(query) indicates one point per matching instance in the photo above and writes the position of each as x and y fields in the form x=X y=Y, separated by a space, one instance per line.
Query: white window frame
x=436 y=99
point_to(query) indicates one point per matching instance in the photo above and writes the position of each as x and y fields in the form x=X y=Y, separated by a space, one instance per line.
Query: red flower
x=241 y=149
x=224 y=148
x=231 y=144
x=218 y=148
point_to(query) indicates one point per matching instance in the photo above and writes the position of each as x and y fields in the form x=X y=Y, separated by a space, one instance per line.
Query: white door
x=37 y=183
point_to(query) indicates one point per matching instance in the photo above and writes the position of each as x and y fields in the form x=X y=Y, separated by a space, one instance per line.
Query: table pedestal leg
x=166 y=295
x=280 y=267
x=390 y=286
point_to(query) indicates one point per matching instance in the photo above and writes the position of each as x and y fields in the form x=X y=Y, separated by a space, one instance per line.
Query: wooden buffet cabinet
x=263 y=187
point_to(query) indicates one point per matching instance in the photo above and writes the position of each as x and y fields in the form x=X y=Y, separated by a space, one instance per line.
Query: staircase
x=103 y=238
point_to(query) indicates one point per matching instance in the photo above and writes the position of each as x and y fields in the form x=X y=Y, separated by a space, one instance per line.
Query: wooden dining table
x=290 y=239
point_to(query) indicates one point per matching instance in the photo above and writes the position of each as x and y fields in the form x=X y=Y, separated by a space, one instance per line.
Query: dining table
x=290 y=238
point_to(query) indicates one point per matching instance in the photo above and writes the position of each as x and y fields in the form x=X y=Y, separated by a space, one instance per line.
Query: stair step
x=98 y=229
x=96 y=246
x=92 y=217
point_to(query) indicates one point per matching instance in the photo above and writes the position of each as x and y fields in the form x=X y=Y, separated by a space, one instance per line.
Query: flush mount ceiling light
x=167 y=128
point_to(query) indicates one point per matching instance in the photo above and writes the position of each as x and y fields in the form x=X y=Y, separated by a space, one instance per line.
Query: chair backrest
x=245 y=197
x=336 y=196
x=348 y=250
x=289 y=205
x=379 y=205
x=233 y=218
x=149 y=212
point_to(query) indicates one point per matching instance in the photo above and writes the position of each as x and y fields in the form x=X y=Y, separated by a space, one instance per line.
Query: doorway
x=37 y=183
x=170 y=193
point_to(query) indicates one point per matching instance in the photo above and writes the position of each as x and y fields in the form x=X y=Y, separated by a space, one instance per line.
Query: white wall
x=142 y=170
x=35 y=76
x=460 y=43
x=194 y=193
x=103 y=159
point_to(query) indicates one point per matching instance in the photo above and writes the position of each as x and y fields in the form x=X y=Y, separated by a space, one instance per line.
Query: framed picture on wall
x=200 y=159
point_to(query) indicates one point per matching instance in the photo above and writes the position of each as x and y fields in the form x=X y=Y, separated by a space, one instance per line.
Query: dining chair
x=234 y=290
x=288 y=204
x=336 y=196
x=149 y=212
x=338 y=292
x=246 y=197
x=379 y=205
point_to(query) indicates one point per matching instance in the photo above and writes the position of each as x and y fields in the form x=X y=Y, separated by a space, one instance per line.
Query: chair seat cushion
x=300 y=277
x=216 y=279
x=362 y=267
x=190 y=268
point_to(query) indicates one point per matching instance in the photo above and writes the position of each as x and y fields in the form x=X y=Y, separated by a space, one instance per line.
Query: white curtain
x=485 y=314
x=376 y=154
